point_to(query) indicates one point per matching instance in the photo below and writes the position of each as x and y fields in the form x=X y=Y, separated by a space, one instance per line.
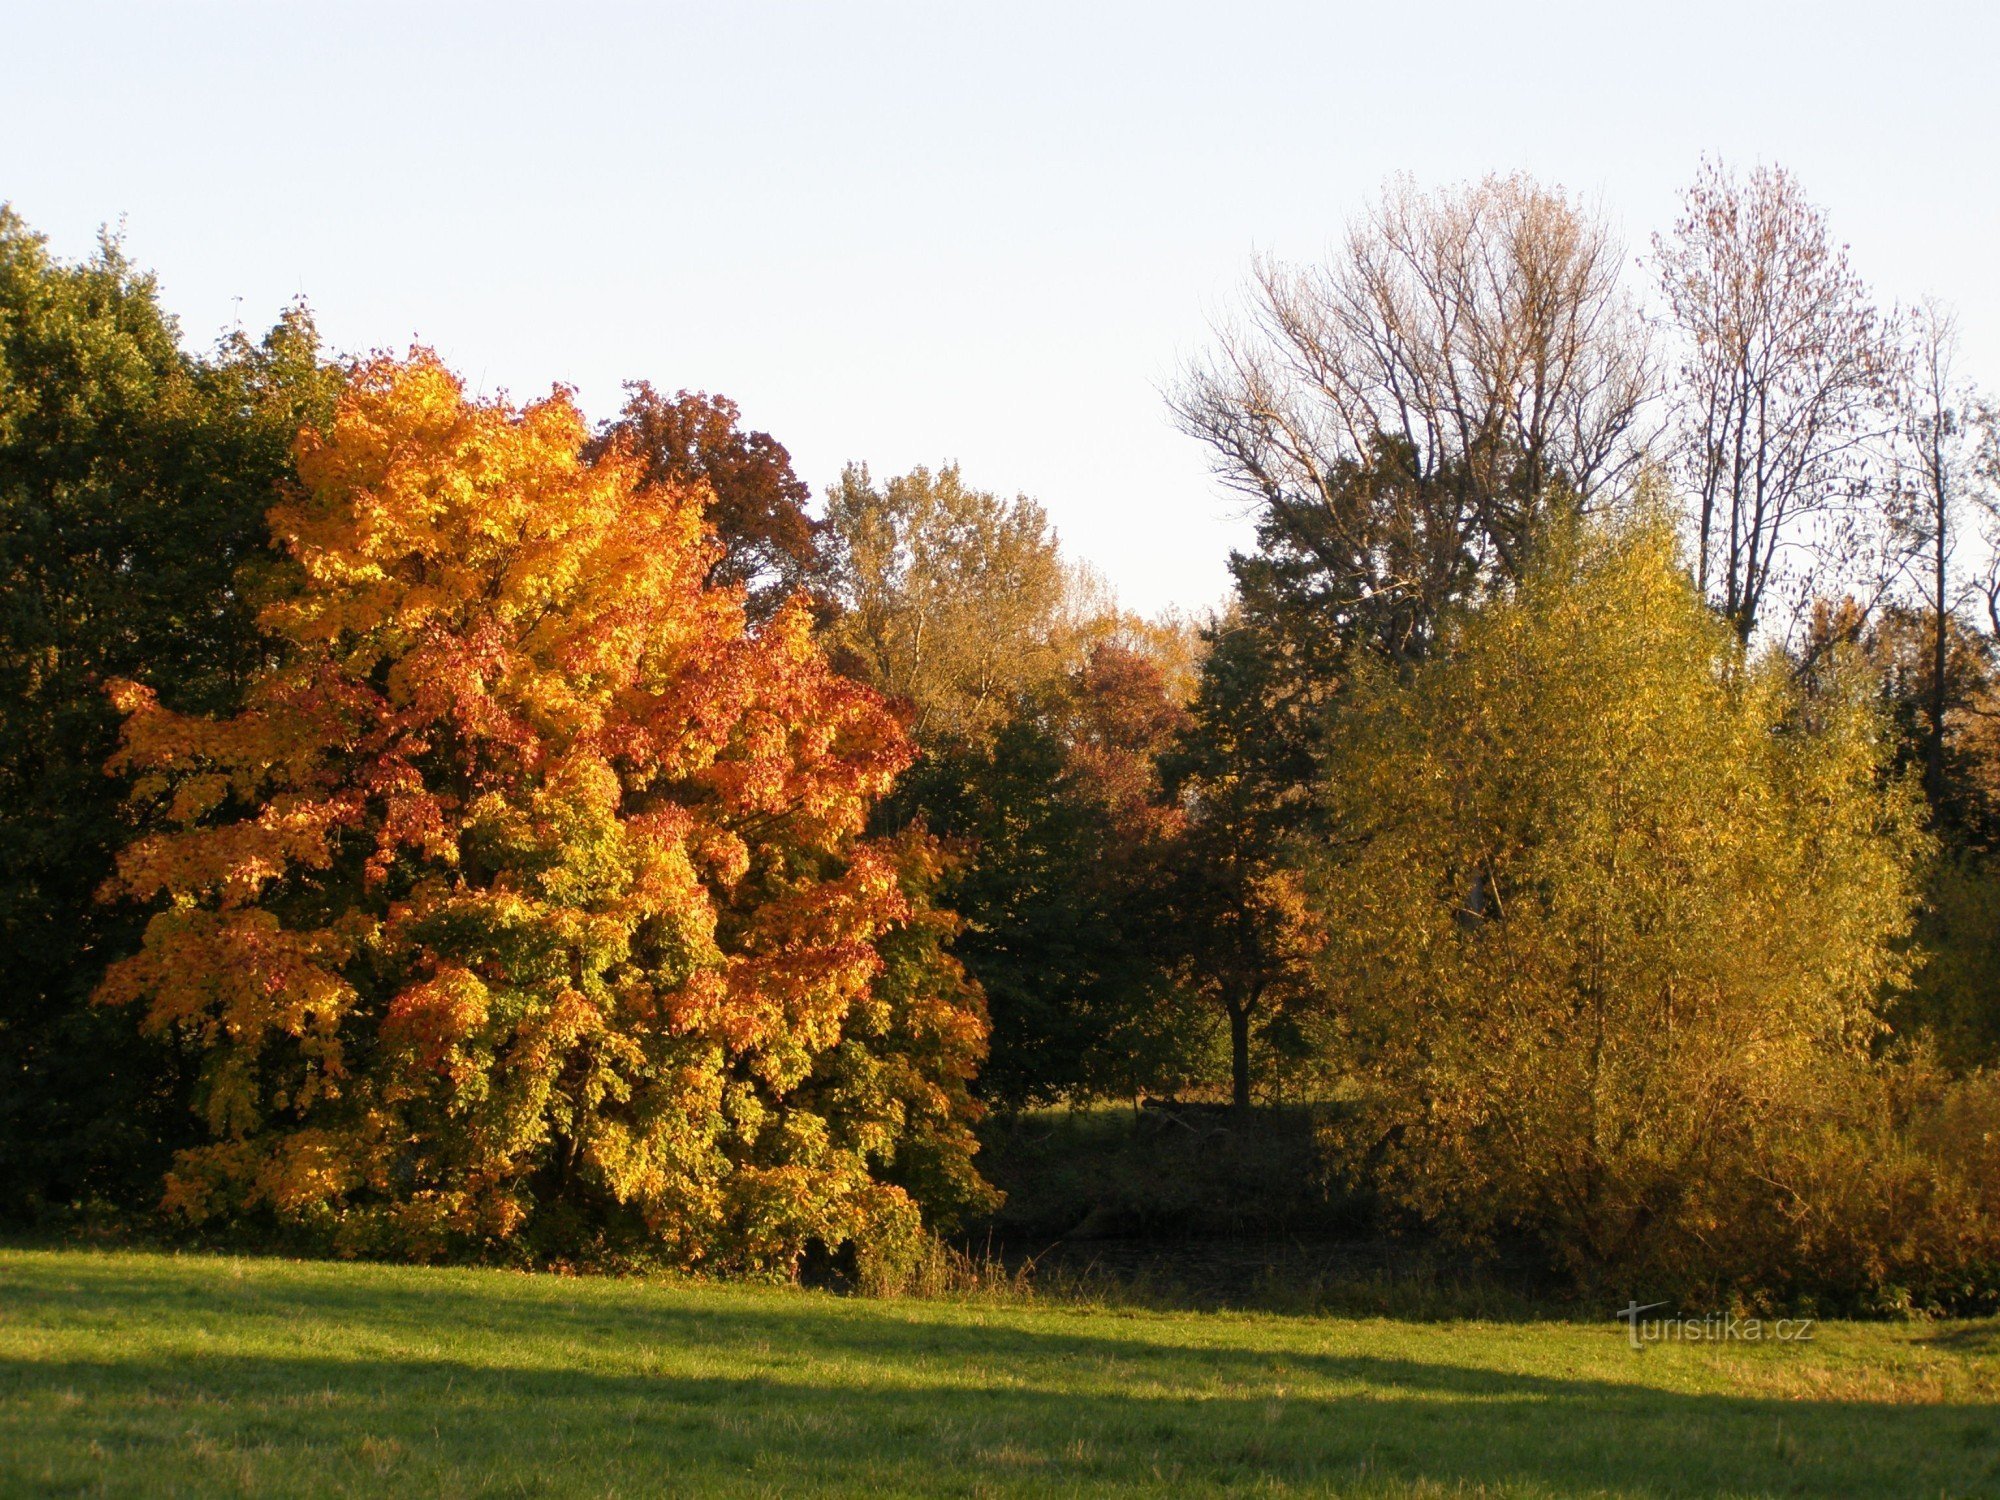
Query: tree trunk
x=1940 y=651
x=1239 y=1055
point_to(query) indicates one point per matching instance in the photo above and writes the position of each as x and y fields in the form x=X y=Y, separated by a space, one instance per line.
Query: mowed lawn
x=133 y=1374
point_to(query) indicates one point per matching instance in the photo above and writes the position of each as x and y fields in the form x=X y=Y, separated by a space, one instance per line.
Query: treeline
x=528 y=839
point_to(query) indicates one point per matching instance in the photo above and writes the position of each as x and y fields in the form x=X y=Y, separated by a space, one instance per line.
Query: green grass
x=134 y=1374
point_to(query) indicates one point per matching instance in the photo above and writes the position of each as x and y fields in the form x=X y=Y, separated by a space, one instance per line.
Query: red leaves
x=528 y=860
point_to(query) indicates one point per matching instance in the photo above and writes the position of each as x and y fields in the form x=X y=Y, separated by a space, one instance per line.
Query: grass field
x=132 y=1374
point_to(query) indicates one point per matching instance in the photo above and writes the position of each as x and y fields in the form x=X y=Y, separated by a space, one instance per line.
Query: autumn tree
x=1040 y=711
x=1239 y=773
x=1938 y=682
x=522 y=902
x=1610 y=913
x=1784 y=367
x=1899 y=642
x=955 y=600
x=1119 y=713
x=134 y=477
x=1402 y=418
x=769 y=544
x=1066 y=836
x=1940 y=693
x=1953 y=1000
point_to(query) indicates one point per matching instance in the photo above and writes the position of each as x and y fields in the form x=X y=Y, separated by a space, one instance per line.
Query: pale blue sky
x=913 y=233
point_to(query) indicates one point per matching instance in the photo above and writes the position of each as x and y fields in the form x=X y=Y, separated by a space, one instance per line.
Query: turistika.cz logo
x=1710 y=1328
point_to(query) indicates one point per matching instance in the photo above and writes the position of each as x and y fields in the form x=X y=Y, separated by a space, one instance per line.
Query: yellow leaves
x=722 y=854
x=309 y=1168
x=196 y=796
x=524 y=854
x=419 y=502
x=431 y=1018
x=1613 y=897
x=131 y=698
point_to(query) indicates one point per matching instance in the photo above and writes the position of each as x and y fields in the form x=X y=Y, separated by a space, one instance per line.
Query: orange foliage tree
x=525 y=902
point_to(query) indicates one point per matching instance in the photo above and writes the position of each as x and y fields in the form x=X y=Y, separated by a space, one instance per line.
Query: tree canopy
x=134 y=478
x=1609 y=906
x=954 y=599
x=493 y=836
x=757 y=509
x=524 y=896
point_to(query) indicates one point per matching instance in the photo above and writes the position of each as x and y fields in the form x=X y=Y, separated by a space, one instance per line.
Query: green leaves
x=133 y=484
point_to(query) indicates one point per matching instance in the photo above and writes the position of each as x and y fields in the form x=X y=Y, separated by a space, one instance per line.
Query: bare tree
x=1784 y=366
x=1944 y=452
x=1401 y=413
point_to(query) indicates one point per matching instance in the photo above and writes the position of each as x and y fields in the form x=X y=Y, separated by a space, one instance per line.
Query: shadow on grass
x=1967 y=1338
x=569 y=1391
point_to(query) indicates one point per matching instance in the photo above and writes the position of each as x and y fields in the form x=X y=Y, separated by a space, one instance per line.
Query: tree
x=1952 y=1004
x=1611 y=910
x=1402 y=415
x=1065 y=838
x=1945 y=451
x=523 y=901
x=1039 y=712
x=1236 y=928
x=954 y=600
x=1899 y=643
x=1404 y=419
x=770 y=546
x=1784 y=367
x=134 y=478
x=1118 y=715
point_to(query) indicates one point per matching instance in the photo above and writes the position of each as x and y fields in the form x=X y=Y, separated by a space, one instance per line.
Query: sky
x=907 y=234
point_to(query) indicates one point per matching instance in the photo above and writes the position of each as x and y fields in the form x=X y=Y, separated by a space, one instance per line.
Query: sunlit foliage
x=1611 y=910
x=954 y=600
x=524 y=899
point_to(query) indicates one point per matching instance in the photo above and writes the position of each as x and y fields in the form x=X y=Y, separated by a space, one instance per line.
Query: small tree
x=1237 y=931
x=1945 y=474
x=1612 y=910
x=524 y=899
